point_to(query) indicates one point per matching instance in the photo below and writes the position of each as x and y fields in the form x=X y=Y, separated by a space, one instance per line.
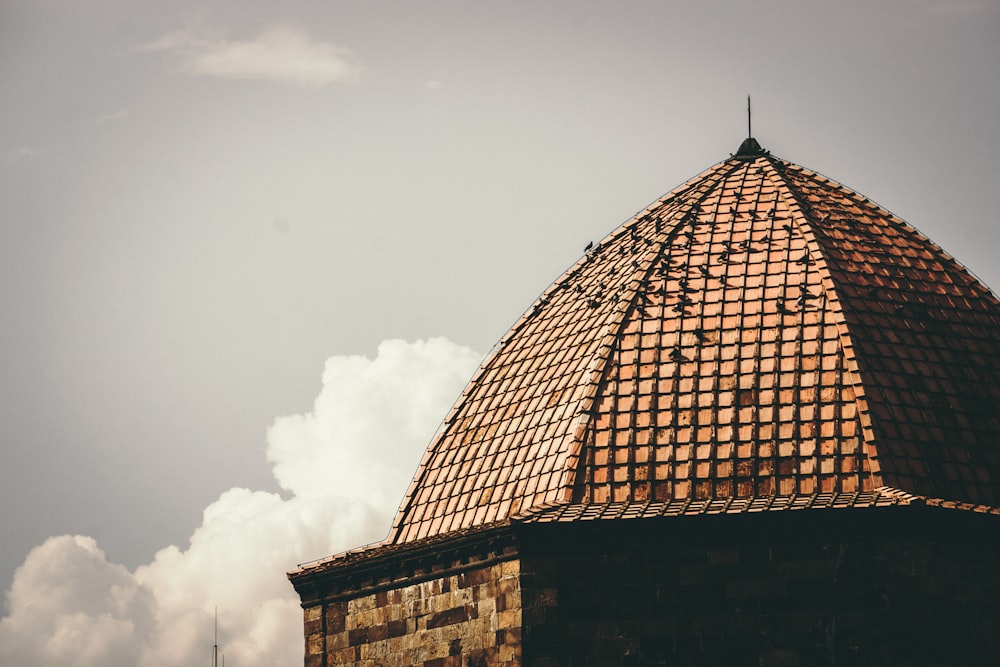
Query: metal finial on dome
x=750 y=147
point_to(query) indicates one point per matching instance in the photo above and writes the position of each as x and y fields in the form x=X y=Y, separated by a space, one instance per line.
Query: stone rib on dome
x=759 y=332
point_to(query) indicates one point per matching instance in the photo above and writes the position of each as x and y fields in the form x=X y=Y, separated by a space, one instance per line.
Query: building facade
x=757 y=424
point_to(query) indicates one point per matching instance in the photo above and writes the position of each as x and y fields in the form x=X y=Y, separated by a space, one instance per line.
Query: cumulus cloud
x=70 y=606
x=315 y=455
x=345 y=465
x=281 y=52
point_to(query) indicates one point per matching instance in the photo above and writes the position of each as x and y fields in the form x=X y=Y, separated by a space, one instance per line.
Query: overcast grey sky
x=201 y=202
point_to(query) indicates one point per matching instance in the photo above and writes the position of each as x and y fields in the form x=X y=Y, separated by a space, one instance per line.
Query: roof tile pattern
x=760 y=332
x=926 y=335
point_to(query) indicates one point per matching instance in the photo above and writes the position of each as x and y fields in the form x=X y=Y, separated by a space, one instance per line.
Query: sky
x=250 y=253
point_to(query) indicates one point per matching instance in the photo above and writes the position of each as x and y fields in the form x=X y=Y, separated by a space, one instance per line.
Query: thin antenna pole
x=215 y=647
x=749 y=133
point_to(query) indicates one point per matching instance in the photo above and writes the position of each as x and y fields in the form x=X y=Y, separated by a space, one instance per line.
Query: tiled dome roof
x=761 y=336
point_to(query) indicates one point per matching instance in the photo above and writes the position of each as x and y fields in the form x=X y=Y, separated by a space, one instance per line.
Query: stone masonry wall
x=470 y=619
x=810 y=603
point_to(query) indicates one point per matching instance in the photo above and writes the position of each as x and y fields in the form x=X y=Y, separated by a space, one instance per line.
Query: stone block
x=343 y=656
x=336 y=615
x=508 y=619
x=357 y=636
x=545 y=597
x=509 y=653
x=396 y=628
x=461 y=596
x=361 y=604
x=314 y=644
x=337 y=641
x=449 y=616
x=473 y=577
x=378 y=633
x=729 y=556
x=510 y=568
x=478 y=658
x=508 y=583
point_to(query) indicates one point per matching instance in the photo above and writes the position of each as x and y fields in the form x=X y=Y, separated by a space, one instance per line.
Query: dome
x=759 y=338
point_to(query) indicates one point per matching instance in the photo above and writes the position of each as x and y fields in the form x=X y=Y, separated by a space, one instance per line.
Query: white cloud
x=314 y=455
x=115 y=115
x=434 y=85
x=22 y=153
x=70 y=606
x=282 y=52
x=346 y=465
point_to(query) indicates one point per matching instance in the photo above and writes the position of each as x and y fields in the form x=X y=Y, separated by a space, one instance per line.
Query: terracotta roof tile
x=759 y=336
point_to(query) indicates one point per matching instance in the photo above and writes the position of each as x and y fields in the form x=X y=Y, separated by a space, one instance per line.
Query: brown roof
x=761 y=332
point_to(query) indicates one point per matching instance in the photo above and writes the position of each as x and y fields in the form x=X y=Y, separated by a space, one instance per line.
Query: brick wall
x=470 y=619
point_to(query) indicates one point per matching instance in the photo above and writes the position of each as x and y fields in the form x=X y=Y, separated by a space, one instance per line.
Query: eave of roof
x=385 y=564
